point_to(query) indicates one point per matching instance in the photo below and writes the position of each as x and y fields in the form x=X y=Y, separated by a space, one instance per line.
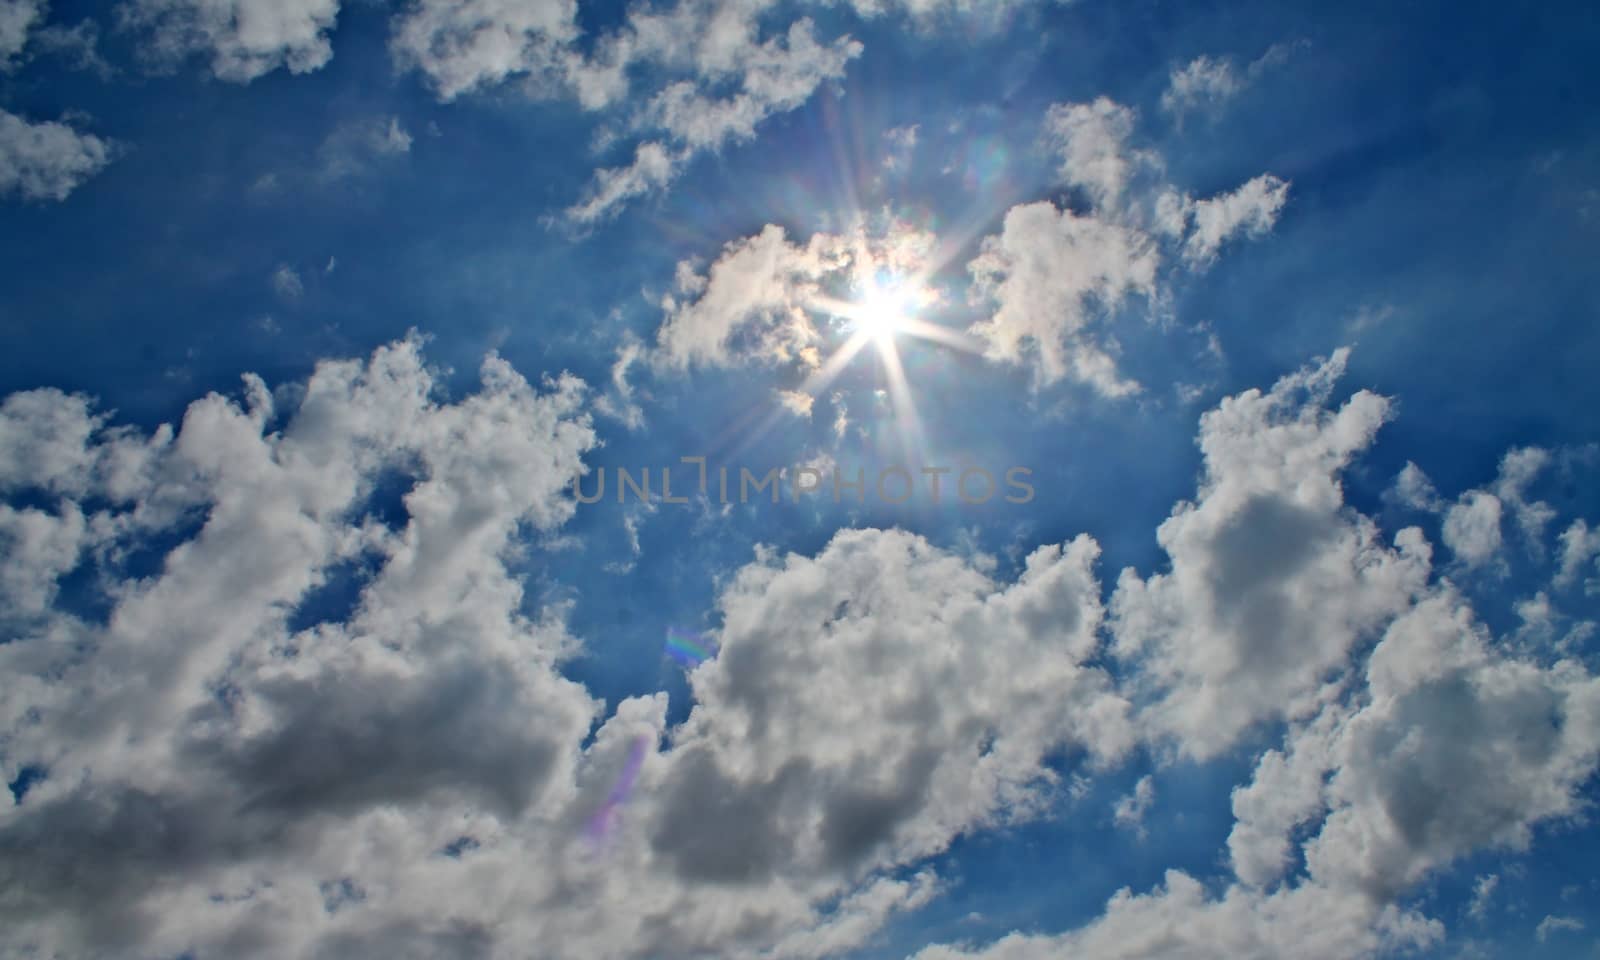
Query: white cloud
x=224 y=775
x=1455 y=746
x=714 y=77
x=42 y=438
x=1580 y=546
x=814 y=760
x=1056 y=275
x=1482 y=894
x=971 y=12
x=354 y=147
x=1180 y=921
x=1273 y=580
x=797 y=402
x=1051 y=282
x=1046 y=272
x=1518 y=469
x=1472 y=525
x=1203 y=82
x=244 y=39
x=899 y=143
x=1553 y=925
x=1413 y=489
x=1251 y=210
x=775 y=76
x=17 y=18
x=760 y=286
x=286 y=282
x=1130 y=809
x=1092 y=139
x=1472 y=528
x=47 y=160
x=466 y=46
x=653 y=167
x=188 y=709
x=36 y=549
x=78 y=46
x=1450 y=746
x=1441 y=743
x=619 y=402
x=219 y=781
x=1207 y=83
x=693 y=115
x=764 y=298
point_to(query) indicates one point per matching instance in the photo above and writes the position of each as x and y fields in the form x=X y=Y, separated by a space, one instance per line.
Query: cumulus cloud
x=1472 y=528
x=1056 y=276
x=47 y=160
x=1472 y=524
x=242 y=39
x=1450 y=745
x=897 y=762
x=1092 y=140
x=1273 y=580
x=1580 y=546
x=1051 y=283
x=235 y=755
x=173 y=731
x=235 y=760
x=1439 y=742
x=1046 y=271
x=766 y=299
x=1455 y=746
x=1519 y=468
x=462 y=47
x=1180 y=921
x=1413 y=489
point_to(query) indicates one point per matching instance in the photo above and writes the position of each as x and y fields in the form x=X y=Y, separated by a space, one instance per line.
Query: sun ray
x=909 y=424
x=882 y=307
x=954 y=339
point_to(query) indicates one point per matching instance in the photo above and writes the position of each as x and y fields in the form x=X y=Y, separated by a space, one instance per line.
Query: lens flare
x=689 y=649
x=601 y=823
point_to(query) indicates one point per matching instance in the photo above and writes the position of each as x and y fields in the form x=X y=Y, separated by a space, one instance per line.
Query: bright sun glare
x=885 y=308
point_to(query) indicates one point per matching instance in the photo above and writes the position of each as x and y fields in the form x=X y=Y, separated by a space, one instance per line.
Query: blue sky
x=314 y=313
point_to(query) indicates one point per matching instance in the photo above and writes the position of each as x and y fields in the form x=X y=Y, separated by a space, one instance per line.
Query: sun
x=886 y=306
